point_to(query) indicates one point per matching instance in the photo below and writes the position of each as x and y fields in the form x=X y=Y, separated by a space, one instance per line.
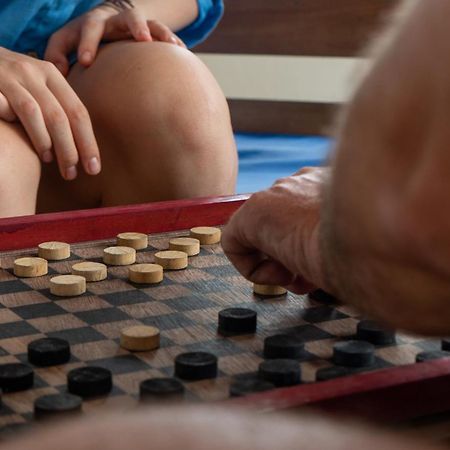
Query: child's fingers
x=92 y=33
x=61 y=44
x=137 y=24
x=162 y=32
x=6 y=112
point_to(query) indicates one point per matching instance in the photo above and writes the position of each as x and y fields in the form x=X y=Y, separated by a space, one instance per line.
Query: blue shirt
x=26 y=25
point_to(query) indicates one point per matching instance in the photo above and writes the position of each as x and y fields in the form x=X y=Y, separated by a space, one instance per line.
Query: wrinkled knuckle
x=56 y=118
x=78 y=113
x=23 y=67
x=27 y=107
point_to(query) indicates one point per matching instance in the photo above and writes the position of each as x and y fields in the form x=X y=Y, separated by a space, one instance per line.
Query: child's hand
x=56 y=122
x=103 y=23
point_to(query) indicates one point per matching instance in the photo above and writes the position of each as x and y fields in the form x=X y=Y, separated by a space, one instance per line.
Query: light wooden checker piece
x=190 y=246
x=92 y=271
x=138 y=241
x=119 y=256
x=269 y=290
x=206 y=235
x=30 y=267
x=172 y=259
x=54 y=251
x=140 y=338
x=68 y=285
x=146 y=273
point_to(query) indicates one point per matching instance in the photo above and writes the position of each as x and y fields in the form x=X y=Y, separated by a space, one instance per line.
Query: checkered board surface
x=184 y=307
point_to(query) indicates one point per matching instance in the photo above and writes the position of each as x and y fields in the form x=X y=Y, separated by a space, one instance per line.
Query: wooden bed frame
x=292 y=27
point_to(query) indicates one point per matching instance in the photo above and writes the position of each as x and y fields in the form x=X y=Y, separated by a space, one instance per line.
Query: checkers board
x=185 y=307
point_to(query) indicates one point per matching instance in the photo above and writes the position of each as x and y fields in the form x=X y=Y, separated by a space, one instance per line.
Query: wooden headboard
x=292 y=27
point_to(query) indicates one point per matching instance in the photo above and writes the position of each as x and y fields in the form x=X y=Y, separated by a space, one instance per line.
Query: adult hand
x=103 y=23
x=54 y=118
x=273 y=238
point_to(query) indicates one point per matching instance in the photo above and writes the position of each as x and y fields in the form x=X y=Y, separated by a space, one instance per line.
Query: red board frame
x=399 y=393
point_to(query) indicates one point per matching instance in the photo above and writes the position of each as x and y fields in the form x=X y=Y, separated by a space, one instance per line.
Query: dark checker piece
x=330 y=373
x=48 y=352
x=196 y=366
x=16 y=377
x=160 y=389
x=280 y=372
x=370 y=331
x=353 y=353
x=57 y=405
x=235 y=321
x=323 y=297
x=283 y=346
x=240 y=388
x=428 y=356
x=89 y=381
x=446 y=344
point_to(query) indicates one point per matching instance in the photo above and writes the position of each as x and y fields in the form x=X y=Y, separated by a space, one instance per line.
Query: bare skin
x=212 y=429
x=379 y=234
x=167 y=111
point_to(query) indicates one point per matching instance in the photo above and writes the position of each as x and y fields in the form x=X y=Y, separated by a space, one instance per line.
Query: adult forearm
x=385 y=220
x=176 y=14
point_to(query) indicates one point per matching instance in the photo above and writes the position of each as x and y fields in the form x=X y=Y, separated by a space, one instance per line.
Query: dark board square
x=15 y=329
x=126 y=298
x=321 y=314
x=169 y=321
x=78 y=335
x=121 y=364
x=429 y=346
x=38 y=310
x=205 y=286
x=13 y=286
x=221 y=347
x=104 y=315
x=190 y=303
x=55 y=298
x=306 y=333
x=221 y=271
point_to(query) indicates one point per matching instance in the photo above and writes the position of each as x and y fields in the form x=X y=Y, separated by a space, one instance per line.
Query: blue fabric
x=263 y=158
x=26 y=25
x=209 y=14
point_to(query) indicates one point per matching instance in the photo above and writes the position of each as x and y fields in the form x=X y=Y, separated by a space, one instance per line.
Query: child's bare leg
x=162 y=124
x=20 y=171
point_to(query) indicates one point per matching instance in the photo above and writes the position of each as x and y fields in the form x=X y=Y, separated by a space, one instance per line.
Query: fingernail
x=47 y=157
x=71 y=173
x=173 y=39
x=86 y=57
x=94 y=166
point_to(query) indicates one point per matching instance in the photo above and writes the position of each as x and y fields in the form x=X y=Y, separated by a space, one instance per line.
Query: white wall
x=286 y=78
